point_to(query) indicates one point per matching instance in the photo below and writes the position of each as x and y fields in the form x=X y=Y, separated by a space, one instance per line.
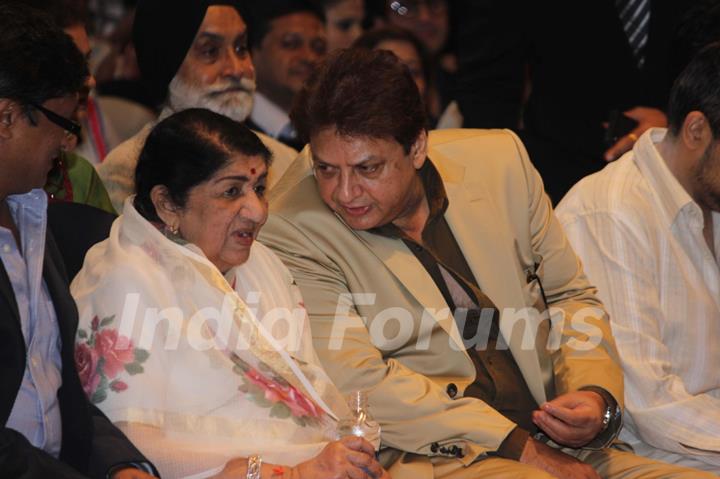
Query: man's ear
x=418 y=150
x=696 y=133
x=165 y=208
x=8 y=117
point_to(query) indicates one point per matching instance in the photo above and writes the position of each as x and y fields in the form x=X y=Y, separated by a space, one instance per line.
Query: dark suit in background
x=90 y=443
x=580 y=66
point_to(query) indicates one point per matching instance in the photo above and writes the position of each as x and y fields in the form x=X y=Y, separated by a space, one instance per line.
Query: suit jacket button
x=451 y=390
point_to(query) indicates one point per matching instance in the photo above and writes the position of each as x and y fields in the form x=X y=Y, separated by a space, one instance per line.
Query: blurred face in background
x=217 y=72
x=288 y=54
x=344 y=23
x=427 y=19
x=79 y=35
x=410 y=57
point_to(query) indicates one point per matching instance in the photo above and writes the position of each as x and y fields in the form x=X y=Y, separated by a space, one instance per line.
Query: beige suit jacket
x=408 y=356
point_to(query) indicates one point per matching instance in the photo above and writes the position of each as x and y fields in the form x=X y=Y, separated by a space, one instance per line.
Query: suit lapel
x=412 y=274
x=487 y=246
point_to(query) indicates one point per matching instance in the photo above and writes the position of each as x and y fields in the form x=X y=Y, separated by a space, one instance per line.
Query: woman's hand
x=351 y=456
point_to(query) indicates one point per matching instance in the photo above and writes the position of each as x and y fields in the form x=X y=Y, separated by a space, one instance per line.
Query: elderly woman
x=193 y=337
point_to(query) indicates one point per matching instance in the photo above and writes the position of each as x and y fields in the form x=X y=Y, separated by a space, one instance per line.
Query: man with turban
x=191 y=55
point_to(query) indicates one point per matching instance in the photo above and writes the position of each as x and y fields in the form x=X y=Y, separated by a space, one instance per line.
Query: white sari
x=174 y=352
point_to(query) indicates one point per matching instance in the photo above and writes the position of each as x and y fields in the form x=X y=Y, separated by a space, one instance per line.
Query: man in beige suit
x=420 y=260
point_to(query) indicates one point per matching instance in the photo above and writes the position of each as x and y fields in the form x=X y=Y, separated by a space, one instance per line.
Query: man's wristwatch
x=607 y=417
x=611 y=406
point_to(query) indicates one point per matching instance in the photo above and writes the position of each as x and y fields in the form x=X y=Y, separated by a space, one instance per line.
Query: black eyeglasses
x=411 y=8
x=66 y=124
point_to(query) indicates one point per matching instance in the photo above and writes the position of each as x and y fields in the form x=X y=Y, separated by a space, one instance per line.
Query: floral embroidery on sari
x=103 y=357
x=268 y=390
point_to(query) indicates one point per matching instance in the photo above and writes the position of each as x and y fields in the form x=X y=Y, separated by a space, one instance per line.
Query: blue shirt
x=36 y=412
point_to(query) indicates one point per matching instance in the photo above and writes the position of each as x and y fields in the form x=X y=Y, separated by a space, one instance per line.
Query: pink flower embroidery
x=101 y=355
x=86 y=361
x=117 y=351
x=118 y=386
x=275 y=392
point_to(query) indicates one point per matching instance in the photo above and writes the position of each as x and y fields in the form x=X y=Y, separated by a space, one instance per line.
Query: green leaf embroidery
x=280 y=410
x=99 y=396
x=103 y=384
x=134 y=368
x=106 y=321
x=82 y=334
x=141 y=355
x=258 y=397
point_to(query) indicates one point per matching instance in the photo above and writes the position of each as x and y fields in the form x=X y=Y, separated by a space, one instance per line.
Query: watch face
x=607 y=417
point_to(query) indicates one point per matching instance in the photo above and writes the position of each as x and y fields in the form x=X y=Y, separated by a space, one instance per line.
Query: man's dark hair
x=699 y=27
x=65 y=13
x=325 y=4
x=38 y=61
x=372 y=38
x=263 y=12
x=364 y=93
x=185 y=150
x=697 y=89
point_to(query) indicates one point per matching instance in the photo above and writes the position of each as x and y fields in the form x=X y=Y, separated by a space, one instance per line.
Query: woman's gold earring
x=171 y=231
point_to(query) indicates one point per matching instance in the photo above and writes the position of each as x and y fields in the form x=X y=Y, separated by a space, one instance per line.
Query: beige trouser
x=609 y=463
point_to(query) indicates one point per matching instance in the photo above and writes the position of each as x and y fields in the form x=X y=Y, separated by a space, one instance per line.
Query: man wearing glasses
x=48 y=427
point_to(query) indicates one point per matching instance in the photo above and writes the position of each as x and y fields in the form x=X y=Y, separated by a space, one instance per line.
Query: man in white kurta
x=647 y=228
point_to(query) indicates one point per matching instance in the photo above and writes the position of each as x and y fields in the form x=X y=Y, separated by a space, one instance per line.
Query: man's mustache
x=245 y=85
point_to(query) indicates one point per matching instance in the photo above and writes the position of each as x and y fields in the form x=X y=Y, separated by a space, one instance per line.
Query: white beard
x=236 y=104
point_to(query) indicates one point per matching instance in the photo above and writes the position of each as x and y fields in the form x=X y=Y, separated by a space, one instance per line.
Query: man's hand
x=647 y=118
x=555 y=462
x=573 y=419
x=132 y=473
